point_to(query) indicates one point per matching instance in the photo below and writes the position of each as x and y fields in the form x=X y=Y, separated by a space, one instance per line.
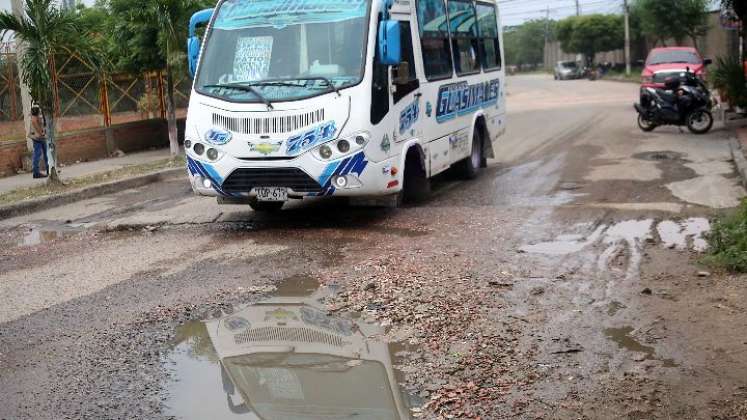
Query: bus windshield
x=285 y=386
x=269 y=50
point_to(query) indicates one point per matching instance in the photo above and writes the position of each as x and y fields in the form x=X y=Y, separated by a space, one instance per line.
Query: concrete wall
x=94 y=144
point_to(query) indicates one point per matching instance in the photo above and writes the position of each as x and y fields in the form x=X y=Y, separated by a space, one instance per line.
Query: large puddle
x=283 y=358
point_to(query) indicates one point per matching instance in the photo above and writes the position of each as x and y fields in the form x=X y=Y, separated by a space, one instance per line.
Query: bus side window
x=379 y=88
x=490 y=44
x=434 y=39
x=464 y=42
x=405 y=79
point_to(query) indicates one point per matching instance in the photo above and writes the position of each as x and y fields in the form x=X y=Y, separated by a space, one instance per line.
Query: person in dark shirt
x=38 y=136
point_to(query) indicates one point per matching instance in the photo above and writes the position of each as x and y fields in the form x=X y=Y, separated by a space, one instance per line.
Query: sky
x=5 y=4
x=515 y=12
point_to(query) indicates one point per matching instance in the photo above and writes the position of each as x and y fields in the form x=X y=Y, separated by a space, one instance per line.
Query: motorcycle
x=685 y=101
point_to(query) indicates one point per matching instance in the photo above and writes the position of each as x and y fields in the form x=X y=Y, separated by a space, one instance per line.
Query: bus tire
x=469 y=168
x=417 y=185
x=265 y=206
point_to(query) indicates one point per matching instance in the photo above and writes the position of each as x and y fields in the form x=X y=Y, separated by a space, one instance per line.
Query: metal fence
x=86 y=99
x=11 y=108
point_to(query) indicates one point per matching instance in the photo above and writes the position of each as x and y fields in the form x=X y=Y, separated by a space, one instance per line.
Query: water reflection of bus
x=283 y=359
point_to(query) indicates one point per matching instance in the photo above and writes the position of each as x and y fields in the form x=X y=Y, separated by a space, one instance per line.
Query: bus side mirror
x=193 y=54
x=390 y=52
x=193 y=42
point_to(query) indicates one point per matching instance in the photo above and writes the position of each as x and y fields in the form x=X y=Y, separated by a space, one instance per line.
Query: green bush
x=728 y=77
x=728 y=241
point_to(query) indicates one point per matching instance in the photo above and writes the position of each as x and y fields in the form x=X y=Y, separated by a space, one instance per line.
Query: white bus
x=353 y=98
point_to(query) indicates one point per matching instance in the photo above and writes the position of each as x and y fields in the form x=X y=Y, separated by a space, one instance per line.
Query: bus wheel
x=417 y=185
x=470 y=167
x=265 y=206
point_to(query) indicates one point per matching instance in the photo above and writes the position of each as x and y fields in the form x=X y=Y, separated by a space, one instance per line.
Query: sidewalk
x=85 y=169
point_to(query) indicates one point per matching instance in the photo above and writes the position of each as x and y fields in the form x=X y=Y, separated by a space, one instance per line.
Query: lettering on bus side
x=409 y=116
x=458 y=99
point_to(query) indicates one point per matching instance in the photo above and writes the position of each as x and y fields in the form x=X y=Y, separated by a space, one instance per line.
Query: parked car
x=663 y=63
x=567 y=70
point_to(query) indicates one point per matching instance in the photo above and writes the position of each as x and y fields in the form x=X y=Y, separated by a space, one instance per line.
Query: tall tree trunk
x=171 y=111
x=49 y=115
x=54 y=176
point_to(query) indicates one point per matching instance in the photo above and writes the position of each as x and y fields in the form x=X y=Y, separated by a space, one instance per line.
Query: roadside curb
x=614 y=79
x=48 y=202
x=737 y=154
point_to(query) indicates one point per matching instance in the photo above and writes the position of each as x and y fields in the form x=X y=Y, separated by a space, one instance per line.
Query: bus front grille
x=280 y=124
x=265 y=335
x=243 y=180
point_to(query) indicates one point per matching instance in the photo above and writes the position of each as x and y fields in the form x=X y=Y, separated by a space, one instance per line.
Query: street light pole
x=627 y=38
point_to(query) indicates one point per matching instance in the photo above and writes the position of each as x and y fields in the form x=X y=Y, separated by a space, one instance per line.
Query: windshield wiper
x=245 y=88
x=326 y=80
x=285 y=82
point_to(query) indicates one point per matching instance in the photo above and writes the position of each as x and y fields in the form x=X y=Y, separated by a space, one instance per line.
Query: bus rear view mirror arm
x=390 y=52
x=402 y=73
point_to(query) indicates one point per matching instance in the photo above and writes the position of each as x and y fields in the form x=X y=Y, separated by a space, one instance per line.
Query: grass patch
x=39 y=191
x=728 y=241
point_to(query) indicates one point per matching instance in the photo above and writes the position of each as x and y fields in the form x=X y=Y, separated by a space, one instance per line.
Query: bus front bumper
x=353 y=176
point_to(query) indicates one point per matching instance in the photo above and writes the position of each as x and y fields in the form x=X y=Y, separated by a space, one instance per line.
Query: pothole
x=624 y=340
x=285 y=357
x=38 y=235
x=660 y=156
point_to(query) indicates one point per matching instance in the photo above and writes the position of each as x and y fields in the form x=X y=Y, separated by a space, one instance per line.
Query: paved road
x=563 y=283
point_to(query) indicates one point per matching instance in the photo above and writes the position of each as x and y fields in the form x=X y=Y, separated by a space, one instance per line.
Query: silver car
x=567 y=70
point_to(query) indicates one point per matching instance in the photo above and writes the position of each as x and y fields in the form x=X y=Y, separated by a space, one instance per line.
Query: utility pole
x=548 y=54
x=627 y=38
x=578 y=8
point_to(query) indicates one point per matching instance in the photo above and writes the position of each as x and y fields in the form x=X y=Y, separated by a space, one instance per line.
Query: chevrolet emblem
x=265 y=148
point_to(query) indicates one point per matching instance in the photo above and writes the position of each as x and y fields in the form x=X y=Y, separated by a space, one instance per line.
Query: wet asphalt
x=563 y=283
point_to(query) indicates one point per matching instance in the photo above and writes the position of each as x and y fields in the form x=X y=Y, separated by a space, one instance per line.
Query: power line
x=513 y=16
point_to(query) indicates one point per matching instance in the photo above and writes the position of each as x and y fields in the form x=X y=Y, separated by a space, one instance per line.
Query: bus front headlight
x=342 y=147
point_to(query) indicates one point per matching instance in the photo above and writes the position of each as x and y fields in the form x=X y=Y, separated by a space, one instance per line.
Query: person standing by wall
x=39 y=138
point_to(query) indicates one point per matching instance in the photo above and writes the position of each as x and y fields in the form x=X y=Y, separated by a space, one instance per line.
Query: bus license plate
x=272 y=194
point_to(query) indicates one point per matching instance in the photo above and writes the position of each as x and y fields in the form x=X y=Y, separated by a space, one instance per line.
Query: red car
x=671 y=61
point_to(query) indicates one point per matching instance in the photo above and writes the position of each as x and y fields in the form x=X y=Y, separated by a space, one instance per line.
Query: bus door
x=404 y=85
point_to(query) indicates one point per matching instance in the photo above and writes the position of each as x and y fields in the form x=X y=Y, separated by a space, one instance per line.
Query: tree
x=525 y=44
x=46 y=31
x=673 y=19
x=740 y=9
x=591 y=34
x=152 y=35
